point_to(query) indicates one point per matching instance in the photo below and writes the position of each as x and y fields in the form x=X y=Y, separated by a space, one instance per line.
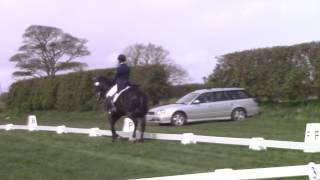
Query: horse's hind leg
x=133 y=138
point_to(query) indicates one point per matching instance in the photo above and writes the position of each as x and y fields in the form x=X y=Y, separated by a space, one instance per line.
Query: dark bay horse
x=132 y=103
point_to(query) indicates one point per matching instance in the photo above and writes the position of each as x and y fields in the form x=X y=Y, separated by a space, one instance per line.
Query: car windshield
x=187 y=98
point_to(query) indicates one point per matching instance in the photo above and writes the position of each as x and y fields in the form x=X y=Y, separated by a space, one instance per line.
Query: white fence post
x=257 y=144
x=312 y=138
x=61 y=129
x=8 y=127
x=32 y=122
x=94 y=132
x=188 y=138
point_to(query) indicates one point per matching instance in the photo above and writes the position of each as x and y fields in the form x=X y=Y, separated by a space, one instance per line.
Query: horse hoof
x=116 y=138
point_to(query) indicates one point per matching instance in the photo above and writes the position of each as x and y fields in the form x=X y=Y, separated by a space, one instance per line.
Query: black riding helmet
x=122 y=58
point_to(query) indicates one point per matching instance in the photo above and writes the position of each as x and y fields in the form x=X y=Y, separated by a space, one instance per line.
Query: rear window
x=243 y=94
x=238 y=94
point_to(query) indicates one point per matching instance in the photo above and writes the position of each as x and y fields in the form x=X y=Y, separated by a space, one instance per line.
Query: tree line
x=47 y=51
x=282 y=73
x=75 y=91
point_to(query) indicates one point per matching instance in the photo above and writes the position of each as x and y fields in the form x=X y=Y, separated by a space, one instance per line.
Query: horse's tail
x=139 y=101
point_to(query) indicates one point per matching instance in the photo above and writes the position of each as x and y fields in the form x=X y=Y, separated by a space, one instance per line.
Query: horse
x=132 y=103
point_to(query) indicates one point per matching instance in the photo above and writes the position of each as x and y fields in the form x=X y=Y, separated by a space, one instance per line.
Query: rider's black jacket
x=122 y=76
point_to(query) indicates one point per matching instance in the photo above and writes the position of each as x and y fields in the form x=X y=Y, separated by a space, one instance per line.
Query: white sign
x=314 y=172
x=312 y=133
x=312 y=137
x=128 y=125
x=32 y=122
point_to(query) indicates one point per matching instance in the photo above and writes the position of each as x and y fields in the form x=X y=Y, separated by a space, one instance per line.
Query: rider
x=122 y=80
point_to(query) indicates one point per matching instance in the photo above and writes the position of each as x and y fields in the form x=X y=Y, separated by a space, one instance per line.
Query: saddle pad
x=118 y=94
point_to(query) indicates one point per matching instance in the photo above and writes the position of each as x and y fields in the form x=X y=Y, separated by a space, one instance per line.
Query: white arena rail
x=187 y=138
x=311 y=170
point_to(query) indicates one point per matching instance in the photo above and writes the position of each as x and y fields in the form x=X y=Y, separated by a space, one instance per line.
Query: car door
x=221 y=105
x=200 y=108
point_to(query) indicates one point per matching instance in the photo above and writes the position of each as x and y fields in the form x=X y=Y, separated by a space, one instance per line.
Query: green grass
x=46 y=155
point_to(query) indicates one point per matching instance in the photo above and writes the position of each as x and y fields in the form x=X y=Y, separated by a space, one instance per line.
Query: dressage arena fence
x=311 y=145
x=311 y=170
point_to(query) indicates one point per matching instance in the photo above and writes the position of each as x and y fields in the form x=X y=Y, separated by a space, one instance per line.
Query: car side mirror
x=197 y=101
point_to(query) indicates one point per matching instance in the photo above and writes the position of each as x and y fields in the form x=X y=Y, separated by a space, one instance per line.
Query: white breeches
x=112 y=91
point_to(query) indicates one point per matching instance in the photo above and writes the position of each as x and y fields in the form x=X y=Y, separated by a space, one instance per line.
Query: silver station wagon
x=206 y=105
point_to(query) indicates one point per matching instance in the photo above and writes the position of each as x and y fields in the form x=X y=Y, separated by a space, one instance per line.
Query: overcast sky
x=193 y=31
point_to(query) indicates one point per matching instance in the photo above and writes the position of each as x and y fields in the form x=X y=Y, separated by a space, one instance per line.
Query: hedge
x=75 y=91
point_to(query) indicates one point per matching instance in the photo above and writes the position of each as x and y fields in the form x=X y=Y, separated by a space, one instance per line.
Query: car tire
x=178 y=119
x=238 y=114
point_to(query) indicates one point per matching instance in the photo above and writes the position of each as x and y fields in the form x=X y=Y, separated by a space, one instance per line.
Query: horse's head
x=102 y=85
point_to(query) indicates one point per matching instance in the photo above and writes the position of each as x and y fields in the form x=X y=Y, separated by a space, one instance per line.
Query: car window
x=187 y=98
x=238 y=94
x=205 y=97
x=220 y=96
x=233 y=95
x=243 y=95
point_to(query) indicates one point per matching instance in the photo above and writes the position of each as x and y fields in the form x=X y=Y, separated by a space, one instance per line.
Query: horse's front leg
x=143 y=127
x=113 y=120
x=135 y=124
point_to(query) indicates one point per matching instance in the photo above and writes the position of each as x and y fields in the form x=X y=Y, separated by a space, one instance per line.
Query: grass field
x=45 y=155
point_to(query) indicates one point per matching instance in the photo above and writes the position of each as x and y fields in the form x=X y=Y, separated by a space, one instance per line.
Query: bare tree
x=47 y=50
x=142 y=55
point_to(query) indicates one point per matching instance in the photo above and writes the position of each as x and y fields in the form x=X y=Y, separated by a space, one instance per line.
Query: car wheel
x=238 y=114
x=178 y=119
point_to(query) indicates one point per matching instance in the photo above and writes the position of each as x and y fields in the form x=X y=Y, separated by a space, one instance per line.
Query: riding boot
x=110 y=105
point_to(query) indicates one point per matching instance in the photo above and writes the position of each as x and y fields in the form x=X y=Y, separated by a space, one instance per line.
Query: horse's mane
x=111 y=81
x=106 y=79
